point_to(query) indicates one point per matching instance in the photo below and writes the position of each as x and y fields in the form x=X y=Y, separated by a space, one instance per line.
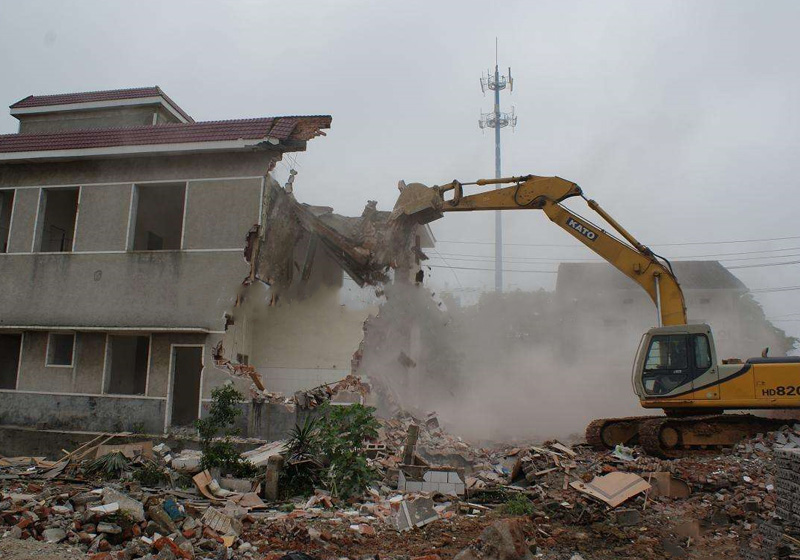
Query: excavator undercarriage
x=672 y=437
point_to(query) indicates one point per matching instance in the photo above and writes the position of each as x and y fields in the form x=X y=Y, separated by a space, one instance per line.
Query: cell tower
x=497 y=119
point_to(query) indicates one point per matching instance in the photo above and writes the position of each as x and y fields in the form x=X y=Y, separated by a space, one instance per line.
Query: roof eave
x=146 y=150
x=160 y=100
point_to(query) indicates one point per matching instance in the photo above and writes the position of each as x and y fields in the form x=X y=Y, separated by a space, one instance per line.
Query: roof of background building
x=291 y=128
x=598 y=277
x=97 y=96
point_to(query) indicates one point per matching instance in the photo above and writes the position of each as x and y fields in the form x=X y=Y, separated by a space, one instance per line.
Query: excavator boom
x=426 y=204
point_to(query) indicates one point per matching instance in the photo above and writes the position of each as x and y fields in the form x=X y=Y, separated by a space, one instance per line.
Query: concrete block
x=447 y=488
x=461 y=488
x=435 y=476
x=454 y=478
x=413 y=486
x=430 y=486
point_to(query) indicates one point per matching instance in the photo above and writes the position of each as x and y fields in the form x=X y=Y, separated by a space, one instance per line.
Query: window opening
x=10 y=346
x=158 y=219
x=6 y=205
x=60 y=349
x=58 y=212
x=128 y=358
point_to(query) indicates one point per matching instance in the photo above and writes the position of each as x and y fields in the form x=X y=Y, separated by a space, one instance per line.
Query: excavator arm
x=426 y=204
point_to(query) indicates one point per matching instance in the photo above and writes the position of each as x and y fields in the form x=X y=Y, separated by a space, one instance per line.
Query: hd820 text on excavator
x=676 y=367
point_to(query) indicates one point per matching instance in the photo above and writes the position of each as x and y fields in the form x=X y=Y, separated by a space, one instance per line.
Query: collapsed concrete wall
x=293 y=322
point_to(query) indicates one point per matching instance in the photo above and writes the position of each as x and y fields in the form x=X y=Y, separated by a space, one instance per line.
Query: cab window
x=702 y=352
x=667 y=352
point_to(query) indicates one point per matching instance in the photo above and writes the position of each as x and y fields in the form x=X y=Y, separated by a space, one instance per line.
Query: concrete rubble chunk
x=503 y=540
x=105 y=509
x=414 y=513
x=109 y=528
x=161 y=519
x=54 y=535
x=127 y=505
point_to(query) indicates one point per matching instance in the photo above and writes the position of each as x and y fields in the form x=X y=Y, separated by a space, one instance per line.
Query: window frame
x=697 y=366
x=39 y=233
x=133 y=213
x=48 y=355
x=660 y=338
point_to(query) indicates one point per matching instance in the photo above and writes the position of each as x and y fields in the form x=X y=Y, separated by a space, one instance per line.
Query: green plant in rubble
x=328 y=451
x=518 y=504
x=108 y=466
x=301 y=473
x=150 y=473
x=342 y=434
x=216 y=429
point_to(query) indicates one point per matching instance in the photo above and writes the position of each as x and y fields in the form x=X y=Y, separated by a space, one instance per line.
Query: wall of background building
x=98 y=118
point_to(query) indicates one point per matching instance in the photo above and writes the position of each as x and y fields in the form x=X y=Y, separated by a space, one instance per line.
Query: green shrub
x=328 y=451
x=518 y=504
x=216 y=429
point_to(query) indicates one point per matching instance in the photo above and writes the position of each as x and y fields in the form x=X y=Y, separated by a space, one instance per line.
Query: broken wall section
x=296 y=320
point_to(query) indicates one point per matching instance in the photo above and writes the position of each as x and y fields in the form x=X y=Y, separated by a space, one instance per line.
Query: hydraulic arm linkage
x=530 y=192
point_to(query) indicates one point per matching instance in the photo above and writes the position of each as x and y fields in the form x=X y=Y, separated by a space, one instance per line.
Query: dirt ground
x=29 y=549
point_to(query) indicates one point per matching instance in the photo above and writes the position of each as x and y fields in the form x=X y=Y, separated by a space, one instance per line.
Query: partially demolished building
x=122 y=229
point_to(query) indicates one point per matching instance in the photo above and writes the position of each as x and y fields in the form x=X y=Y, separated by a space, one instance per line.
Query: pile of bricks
x=780 y=537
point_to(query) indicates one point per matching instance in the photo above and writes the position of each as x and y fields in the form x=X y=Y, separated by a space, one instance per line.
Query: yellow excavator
x=676 y=367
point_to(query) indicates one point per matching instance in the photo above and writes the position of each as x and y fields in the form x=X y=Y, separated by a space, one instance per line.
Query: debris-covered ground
x=433 y=496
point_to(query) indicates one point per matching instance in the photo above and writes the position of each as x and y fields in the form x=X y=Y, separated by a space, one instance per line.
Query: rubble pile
x=549 y=499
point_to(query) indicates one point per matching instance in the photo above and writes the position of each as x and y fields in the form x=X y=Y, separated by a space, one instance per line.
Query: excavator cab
x=675 y=361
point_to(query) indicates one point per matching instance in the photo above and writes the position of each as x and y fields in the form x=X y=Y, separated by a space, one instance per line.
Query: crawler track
x=672 y=437
x=606 y=433
x=678 y=437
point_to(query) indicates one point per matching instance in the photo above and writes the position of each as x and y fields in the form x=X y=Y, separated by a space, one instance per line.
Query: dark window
x=129 y=356
x=10 y=346
x=667 y=352
x=158 y=217
x=702 y=352
x=243 y=359
x=57 y=214
x=6 y=205
x=60 y=349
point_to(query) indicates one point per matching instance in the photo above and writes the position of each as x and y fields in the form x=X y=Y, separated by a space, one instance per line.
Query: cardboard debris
x=613 y=488
x=203 y=480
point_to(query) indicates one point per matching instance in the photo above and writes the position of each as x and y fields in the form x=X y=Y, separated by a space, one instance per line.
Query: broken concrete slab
x=126 y=504
x=414 y=513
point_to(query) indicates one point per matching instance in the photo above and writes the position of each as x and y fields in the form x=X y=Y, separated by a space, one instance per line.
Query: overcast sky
x=681 y=118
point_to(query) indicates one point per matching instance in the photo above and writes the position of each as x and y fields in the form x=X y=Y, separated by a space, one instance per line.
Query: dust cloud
x=532 y=365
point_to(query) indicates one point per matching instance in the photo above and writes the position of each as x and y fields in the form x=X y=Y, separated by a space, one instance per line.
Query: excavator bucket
x=417 y=202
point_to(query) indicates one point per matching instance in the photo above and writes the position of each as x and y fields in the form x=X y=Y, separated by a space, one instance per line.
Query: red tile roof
x=292 y=128
x=93 y=96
